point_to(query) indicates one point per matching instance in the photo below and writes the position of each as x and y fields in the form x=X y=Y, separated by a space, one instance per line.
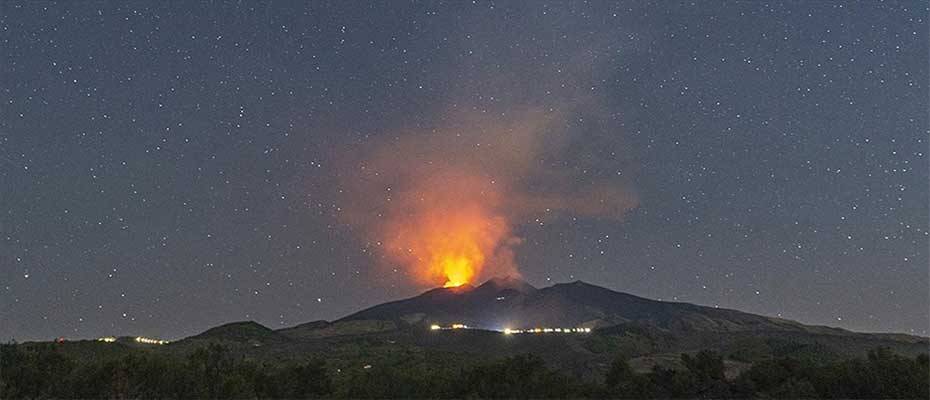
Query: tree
x=707 y=374
x=622 y=382
x=205 y=366
x=524 y=376
x=305 y=380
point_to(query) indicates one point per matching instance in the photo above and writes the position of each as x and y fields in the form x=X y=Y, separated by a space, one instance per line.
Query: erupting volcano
x=458 y=271
x=439 y=208
x=448 y=237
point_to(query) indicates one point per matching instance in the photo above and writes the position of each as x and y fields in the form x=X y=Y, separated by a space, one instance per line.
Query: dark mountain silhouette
x=384 y=340
x=249 y=333
x=650 y=332
x=511 y=303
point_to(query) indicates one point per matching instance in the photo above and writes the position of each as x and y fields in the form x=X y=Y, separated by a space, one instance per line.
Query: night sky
x=167 y=169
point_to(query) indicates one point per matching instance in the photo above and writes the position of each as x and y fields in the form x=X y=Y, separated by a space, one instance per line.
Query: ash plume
x=442 y=200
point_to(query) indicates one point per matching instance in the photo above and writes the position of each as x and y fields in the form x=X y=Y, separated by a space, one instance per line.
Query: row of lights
x=435 y=327
x=138 y=339
x=508 y=331
x=142 y=339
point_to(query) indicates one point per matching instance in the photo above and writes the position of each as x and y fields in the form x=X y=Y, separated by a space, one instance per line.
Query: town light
x=511 y=331
x=145 y=340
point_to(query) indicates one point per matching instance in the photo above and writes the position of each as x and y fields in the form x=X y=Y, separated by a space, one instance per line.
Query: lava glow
x=439 y=208
x=458 y=270
x=450 y=237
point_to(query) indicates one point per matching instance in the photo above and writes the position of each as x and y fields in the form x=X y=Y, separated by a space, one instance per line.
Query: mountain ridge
x=595 y=306
x=512 y=303
x=649 y=332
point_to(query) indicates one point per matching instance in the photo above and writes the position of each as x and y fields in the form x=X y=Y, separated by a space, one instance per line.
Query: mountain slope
x=510 y=303
x=647 y=331
x=244 y=333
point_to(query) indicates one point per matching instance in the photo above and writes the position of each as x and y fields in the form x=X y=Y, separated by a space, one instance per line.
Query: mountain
x=245 y=333
x=648 y=332
x=511 y=303
x=398 y=344
x=636 y=326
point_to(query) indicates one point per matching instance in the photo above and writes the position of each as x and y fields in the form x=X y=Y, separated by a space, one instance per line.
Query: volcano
x=649 y=332
x=509 y=302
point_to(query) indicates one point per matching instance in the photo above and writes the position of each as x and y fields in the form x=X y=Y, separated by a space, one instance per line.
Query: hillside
x=649 y=332
x=511 y=303
x=415 y=333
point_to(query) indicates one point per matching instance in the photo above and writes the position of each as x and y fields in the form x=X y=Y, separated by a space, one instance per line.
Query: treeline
x=883 y=375
x=42 y=371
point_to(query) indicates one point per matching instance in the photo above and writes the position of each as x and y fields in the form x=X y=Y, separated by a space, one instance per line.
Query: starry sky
x=168 y=168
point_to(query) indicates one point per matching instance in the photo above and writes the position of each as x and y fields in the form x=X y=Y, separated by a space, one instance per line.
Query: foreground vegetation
x=44 y=371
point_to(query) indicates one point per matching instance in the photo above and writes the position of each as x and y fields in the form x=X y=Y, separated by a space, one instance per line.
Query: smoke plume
x=441 y=200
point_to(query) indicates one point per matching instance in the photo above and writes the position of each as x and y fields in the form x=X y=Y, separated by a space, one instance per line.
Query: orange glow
x=434 y=203
x=458 y=271
x=450 y=236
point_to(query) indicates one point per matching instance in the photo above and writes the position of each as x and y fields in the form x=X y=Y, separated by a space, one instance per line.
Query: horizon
x=466 y=287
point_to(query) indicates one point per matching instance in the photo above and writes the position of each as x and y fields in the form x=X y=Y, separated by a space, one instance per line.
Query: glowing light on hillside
x=145 y=340
x=511 y=331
